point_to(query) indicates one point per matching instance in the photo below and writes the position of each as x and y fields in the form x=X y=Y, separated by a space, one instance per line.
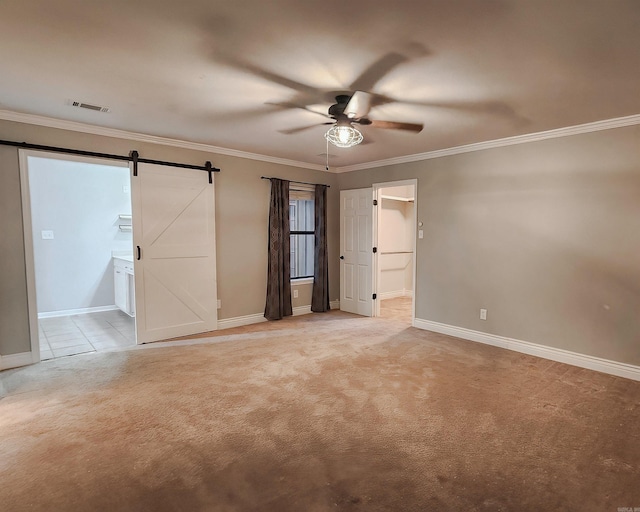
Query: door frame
x=27 y=229
x=375 y=225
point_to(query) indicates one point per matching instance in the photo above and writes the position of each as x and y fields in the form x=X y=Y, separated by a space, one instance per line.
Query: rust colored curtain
x=320 y=293
x=278 y=304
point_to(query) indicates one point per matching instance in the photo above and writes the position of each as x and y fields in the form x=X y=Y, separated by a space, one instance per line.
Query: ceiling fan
x=352 y=108
x=349 y=110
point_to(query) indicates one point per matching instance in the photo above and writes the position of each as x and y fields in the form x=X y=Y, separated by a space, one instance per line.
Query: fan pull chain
x=327 y=153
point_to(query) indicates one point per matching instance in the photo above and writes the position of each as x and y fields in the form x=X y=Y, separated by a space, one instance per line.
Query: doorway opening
x=395 y=242
x=79 y=248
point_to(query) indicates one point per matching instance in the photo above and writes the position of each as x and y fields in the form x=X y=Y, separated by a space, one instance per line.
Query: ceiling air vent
x=88 y=106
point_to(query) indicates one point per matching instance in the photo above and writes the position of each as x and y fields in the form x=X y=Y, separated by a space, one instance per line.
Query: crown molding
x=62 y=124
x=597 y=126
x=50 y=122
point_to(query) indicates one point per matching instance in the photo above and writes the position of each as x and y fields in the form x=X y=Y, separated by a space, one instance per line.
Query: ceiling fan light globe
x=343 y=136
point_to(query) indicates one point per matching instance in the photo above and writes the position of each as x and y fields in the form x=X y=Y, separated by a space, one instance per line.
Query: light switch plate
x=47 y=235
x=420 y=233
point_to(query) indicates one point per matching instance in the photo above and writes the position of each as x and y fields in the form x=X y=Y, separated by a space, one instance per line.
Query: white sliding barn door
x=175 y=277
x=356 y=251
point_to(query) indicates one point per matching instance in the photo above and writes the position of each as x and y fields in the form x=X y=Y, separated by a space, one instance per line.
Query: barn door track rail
x=133 y=156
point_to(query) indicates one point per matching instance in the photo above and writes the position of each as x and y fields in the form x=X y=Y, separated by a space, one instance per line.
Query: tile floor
x=91 y=332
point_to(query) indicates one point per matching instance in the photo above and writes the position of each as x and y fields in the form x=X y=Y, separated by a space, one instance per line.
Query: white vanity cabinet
x=124 y=284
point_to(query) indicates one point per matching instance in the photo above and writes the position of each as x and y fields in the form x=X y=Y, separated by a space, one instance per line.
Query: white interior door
x=356 y=251
x=175 y=275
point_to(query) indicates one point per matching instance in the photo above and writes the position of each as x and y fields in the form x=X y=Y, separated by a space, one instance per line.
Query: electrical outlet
x=47 y=235
x=420 y=233
x=126 y=189
x=295 y=294
x=219 y=303
x=483 y=314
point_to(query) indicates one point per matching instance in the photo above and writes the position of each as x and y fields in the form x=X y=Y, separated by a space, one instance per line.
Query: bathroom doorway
x=78 y=233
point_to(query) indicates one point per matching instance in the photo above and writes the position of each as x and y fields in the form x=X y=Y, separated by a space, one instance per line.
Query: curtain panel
x=278 y=304
x=320 y=293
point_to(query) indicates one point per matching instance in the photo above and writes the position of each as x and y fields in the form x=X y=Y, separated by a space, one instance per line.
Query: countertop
x=124 y=257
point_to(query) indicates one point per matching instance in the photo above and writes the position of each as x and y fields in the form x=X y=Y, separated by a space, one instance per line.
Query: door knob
x=341 y=257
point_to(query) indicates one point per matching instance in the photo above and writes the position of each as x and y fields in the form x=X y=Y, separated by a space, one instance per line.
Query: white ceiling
x=219 y=72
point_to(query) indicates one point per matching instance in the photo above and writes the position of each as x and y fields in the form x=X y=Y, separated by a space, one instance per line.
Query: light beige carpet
x=316 y=413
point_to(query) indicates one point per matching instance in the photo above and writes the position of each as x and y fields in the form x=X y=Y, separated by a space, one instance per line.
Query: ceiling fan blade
x=496 y=108
x=376 y=71
x=285 y=104
x=359 y=105
x=291 y=131
x=381 y=67
x=394 y=125
x=268 y=75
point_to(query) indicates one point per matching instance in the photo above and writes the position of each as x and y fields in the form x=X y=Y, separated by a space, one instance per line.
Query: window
x=301 y=226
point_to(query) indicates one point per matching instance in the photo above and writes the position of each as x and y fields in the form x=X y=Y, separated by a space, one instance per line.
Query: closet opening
x=395 y=242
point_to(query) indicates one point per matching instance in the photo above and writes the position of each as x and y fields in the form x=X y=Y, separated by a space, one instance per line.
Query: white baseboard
x=301 y=310
x=395 y=293
x=256 y=318
x=391 y=295
x=81 y=311
x=16 y=360
x=239 y=321
x=555 y=354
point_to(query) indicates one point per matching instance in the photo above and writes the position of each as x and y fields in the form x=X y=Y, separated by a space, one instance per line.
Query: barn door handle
x=139 y=252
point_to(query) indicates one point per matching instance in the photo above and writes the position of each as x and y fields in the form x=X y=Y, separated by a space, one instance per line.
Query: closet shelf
x=127 y=218
x=397 y=198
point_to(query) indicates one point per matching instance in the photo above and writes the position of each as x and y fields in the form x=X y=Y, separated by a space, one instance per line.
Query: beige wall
x=242 y=204
x=545 y=235
x=14 y=318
